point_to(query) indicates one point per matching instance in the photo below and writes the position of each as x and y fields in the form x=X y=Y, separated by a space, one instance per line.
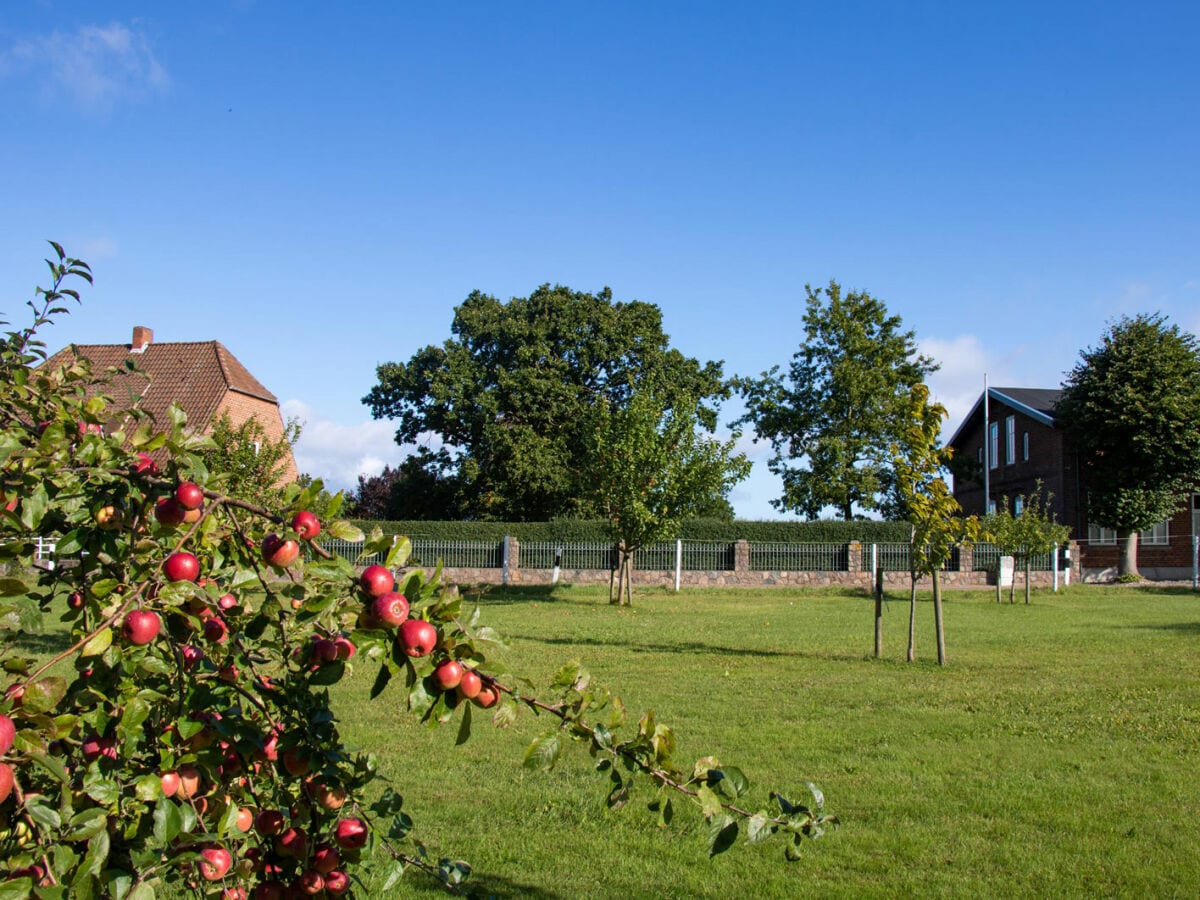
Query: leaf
x=729 y=781
x=46 y=818
x=381 y=681
x=98 y=644
x=143 y=891
x=50 y=764
x=15 y=587
x=710 y=804
x=395 y=871
x=329 y=673
x=543 y=752
x=792 y=851
x=168 y=822
x=464 y=728
x=759 y=828
x=666 y=812
x=345 y=531
x=506 y=714
x=399 y=553
x=44 y=694
x=86 y=824
x=722 y=835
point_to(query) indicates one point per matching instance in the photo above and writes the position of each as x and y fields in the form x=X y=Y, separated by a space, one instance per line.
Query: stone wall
x=743 y=576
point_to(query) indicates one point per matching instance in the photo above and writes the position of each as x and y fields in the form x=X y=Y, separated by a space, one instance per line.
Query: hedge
x=575 y=531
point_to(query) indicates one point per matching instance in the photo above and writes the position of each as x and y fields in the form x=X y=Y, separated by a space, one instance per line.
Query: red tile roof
x=195 y=374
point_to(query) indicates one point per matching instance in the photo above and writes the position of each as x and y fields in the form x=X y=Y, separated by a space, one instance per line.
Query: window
x=1025 y=447
x=991 y=505
x=994 y=440
x=1018 y=505
x=1158 y=536
x=1010 y=440
x=257 y=447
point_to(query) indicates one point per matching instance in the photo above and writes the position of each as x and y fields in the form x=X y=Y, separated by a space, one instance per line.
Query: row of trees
x=513 y=416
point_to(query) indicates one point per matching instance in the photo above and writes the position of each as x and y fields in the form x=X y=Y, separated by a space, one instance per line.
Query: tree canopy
x=651 y=469
x=1131 y=408
x=247 y=460
x=833 y=415
x=509 y=397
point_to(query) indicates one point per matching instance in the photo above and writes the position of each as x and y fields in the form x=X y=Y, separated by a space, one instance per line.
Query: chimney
x=142 y=338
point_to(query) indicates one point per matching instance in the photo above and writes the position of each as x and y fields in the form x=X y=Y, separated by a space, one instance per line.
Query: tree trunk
x=1027 y=567
x=613 y=596
x=912 y=620
x=1129 y=555
x=937 y=619
x=629 y=579
x=878 y=613
x=1012 y=587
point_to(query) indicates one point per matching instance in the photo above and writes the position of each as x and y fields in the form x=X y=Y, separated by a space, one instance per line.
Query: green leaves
x=543 y=752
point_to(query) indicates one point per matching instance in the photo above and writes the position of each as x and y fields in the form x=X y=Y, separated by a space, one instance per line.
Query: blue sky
x=318 y=185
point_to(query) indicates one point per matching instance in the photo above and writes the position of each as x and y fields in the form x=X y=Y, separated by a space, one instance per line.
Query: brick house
x=1021 y=445
x=203 y=377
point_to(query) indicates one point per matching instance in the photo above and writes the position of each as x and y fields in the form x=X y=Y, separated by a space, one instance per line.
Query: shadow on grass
x=508 y=595
x=482 y=885
x=40 y=644
x=1181 y=627
x=688 y=647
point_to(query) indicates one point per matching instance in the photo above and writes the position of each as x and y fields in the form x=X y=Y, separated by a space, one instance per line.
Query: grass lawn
x=1056 y=754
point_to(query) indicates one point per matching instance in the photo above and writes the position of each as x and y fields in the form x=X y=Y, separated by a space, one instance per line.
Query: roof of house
x=194 y=374
x=1037 y=403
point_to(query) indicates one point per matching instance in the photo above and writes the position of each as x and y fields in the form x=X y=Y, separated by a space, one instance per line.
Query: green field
x=1056 y=755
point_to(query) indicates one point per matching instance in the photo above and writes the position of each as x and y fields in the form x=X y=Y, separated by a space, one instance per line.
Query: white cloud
x=95 y=65
x=99 y=248
x=338 y=454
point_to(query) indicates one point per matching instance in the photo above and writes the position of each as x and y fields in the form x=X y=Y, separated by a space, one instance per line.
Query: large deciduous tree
x=651 y=469
x=832 y=416
x=509 y=395
x=1131 y=407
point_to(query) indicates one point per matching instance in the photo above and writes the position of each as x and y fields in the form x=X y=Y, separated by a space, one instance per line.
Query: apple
x=390 y=609
x=296 y=761
x=141 y=626
x=470 y=685
x=337 y=882
x=168 y=511
x=106 y=517
x=8 y=733
x=292 y=842
x=306 y=525
x=328 y=797
x=6 y=781
x=215 y=630
x=181 y=566
x=344 y=646
x=235 y=893
x=145 y=465
x=487 y=696
x=75 y=600
x=191 y=656
x=214 y=862
x=170 y=783
x=189 y=781
x=189 y=495
x=271 y=747
x=448 y=674
x=191 y=516
x=417 y=637
x=94 y=747
x=228 y=673
x=324 y=650
x=311 y=882
x=325 y=859
x=269 y=822
x=279 y=552
x=351 y=834
x=245 y=819
x=227 y=601
x=377 y=581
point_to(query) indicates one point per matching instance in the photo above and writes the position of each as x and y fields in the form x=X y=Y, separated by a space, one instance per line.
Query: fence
x=700 y=563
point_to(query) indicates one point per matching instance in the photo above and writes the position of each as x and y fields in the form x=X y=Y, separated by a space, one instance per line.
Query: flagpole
x=987 y=451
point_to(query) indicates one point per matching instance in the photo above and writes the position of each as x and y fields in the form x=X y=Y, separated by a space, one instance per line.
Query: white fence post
x=1195 y=562
x=678 y=562
x=874 y=563
x=1055 y=566
x=557 y=565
